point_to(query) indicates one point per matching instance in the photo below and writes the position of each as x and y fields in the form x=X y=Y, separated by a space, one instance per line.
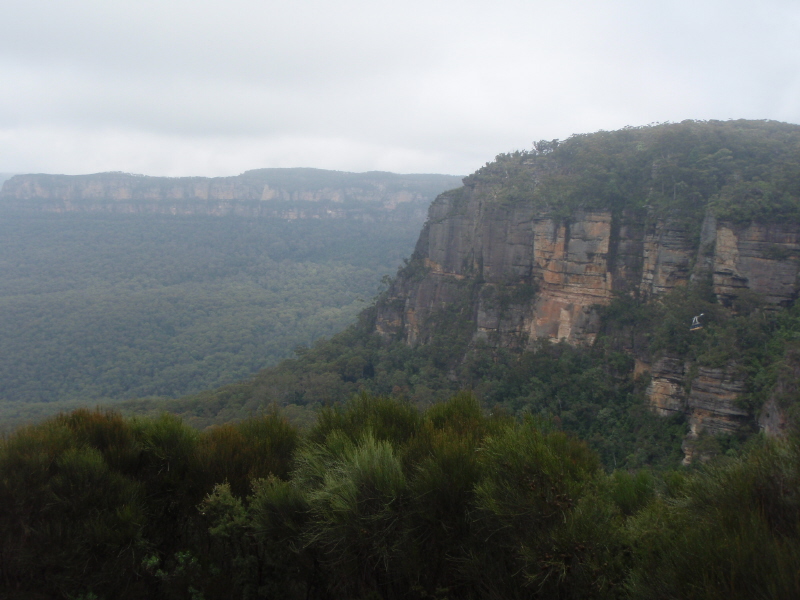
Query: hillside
x=608 y=244
x=534 y=245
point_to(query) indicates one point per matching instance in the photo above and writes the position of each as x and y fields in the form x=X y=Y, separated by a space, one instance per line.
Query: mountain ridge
x=283 y=193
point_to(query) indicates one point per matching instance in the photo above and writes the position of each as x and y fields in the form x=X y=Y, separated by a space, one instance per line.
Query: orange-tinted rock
x=710 y=405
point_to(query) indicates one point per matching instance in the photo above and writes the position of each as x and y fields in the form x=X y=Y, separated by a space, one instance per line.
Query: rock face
x=759 y=258
x=667 y=254
x=519 y=274
x=710 y=403
x=502 y=256
x=283 y=193
x=575 y=264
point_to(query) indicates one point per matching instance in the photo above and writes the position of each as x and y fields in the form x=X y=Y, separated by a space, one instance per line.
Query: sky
x=213 y=88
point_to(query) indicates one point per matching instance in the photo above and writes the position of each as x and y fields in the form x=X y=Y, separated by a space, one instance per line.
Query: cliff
x=534 y=245
x=576 y=265
x=284 y=193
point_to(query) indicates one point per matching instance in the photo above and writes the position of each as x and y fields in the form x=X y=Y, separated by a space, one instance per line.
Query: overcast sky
x=206 y=87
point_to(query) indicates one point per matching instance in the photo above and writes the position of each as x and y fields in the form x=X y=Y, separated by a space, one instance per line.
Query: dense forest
x=106 y=307
x=116 y=286
x=379 y=500
x=743 y=170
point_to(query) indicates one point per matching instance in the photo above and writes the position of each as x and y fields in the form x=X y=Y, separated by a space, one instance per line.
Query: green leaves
x=449 y=503
x=742 y=170
x=728 y=532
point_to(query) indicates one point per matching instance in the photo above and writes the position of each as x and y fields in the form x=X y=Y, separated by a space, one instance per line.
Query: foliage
x=402 y=486
x=90 y=497
x=729 y=532
x=589 y=392
x=108 y=307
x=743 y=170
x=752 y=340
x=380 y=501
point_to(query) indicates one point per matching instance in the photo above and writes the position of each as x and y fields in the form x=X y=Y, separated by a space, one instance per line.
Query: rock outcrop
x=760 y=258
x=573 y=265
x=708 y=396
x=667 y=257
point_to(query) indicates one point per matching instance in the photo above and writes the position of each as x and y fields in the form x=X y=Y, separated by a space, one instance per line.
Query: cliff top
x=744 y=170
x=250 y=185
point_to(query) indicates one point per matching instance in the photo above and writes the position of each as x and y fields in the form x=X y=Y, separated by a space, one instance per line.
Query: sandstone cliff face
x=261 y=193
x=578 y=263
x=760 y=258
x=519 y=274
x=667 y=253
x=237 y=208
x=710 y=402
x=504 y=253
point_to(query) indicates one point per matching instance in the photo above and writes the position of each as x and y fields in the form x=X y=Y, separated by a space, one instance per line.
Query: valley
x=106 y=304
x=582 y=382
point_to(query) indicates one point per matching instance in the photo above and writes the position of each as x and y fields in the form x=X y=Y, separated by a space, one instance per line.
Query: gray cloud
x=207 y=87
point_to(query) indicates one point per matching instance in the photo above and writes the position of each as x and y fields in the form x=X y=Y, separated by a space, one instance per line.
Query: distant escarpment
x=543 y=244
x=283 y=193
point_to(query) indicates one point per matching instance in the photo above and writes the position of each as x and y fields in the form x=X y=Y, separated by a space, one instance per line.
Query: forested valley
x=103 y=307
x=511 y=417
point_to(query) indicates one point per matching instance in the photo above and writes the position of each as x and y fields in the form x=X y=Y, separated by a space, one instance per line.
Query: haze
x=215 y=88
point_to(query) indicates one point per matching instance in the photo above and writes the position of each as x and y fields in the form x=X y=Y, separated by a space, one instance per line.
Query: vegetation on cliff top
x=292 y=182
x=743 y=170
